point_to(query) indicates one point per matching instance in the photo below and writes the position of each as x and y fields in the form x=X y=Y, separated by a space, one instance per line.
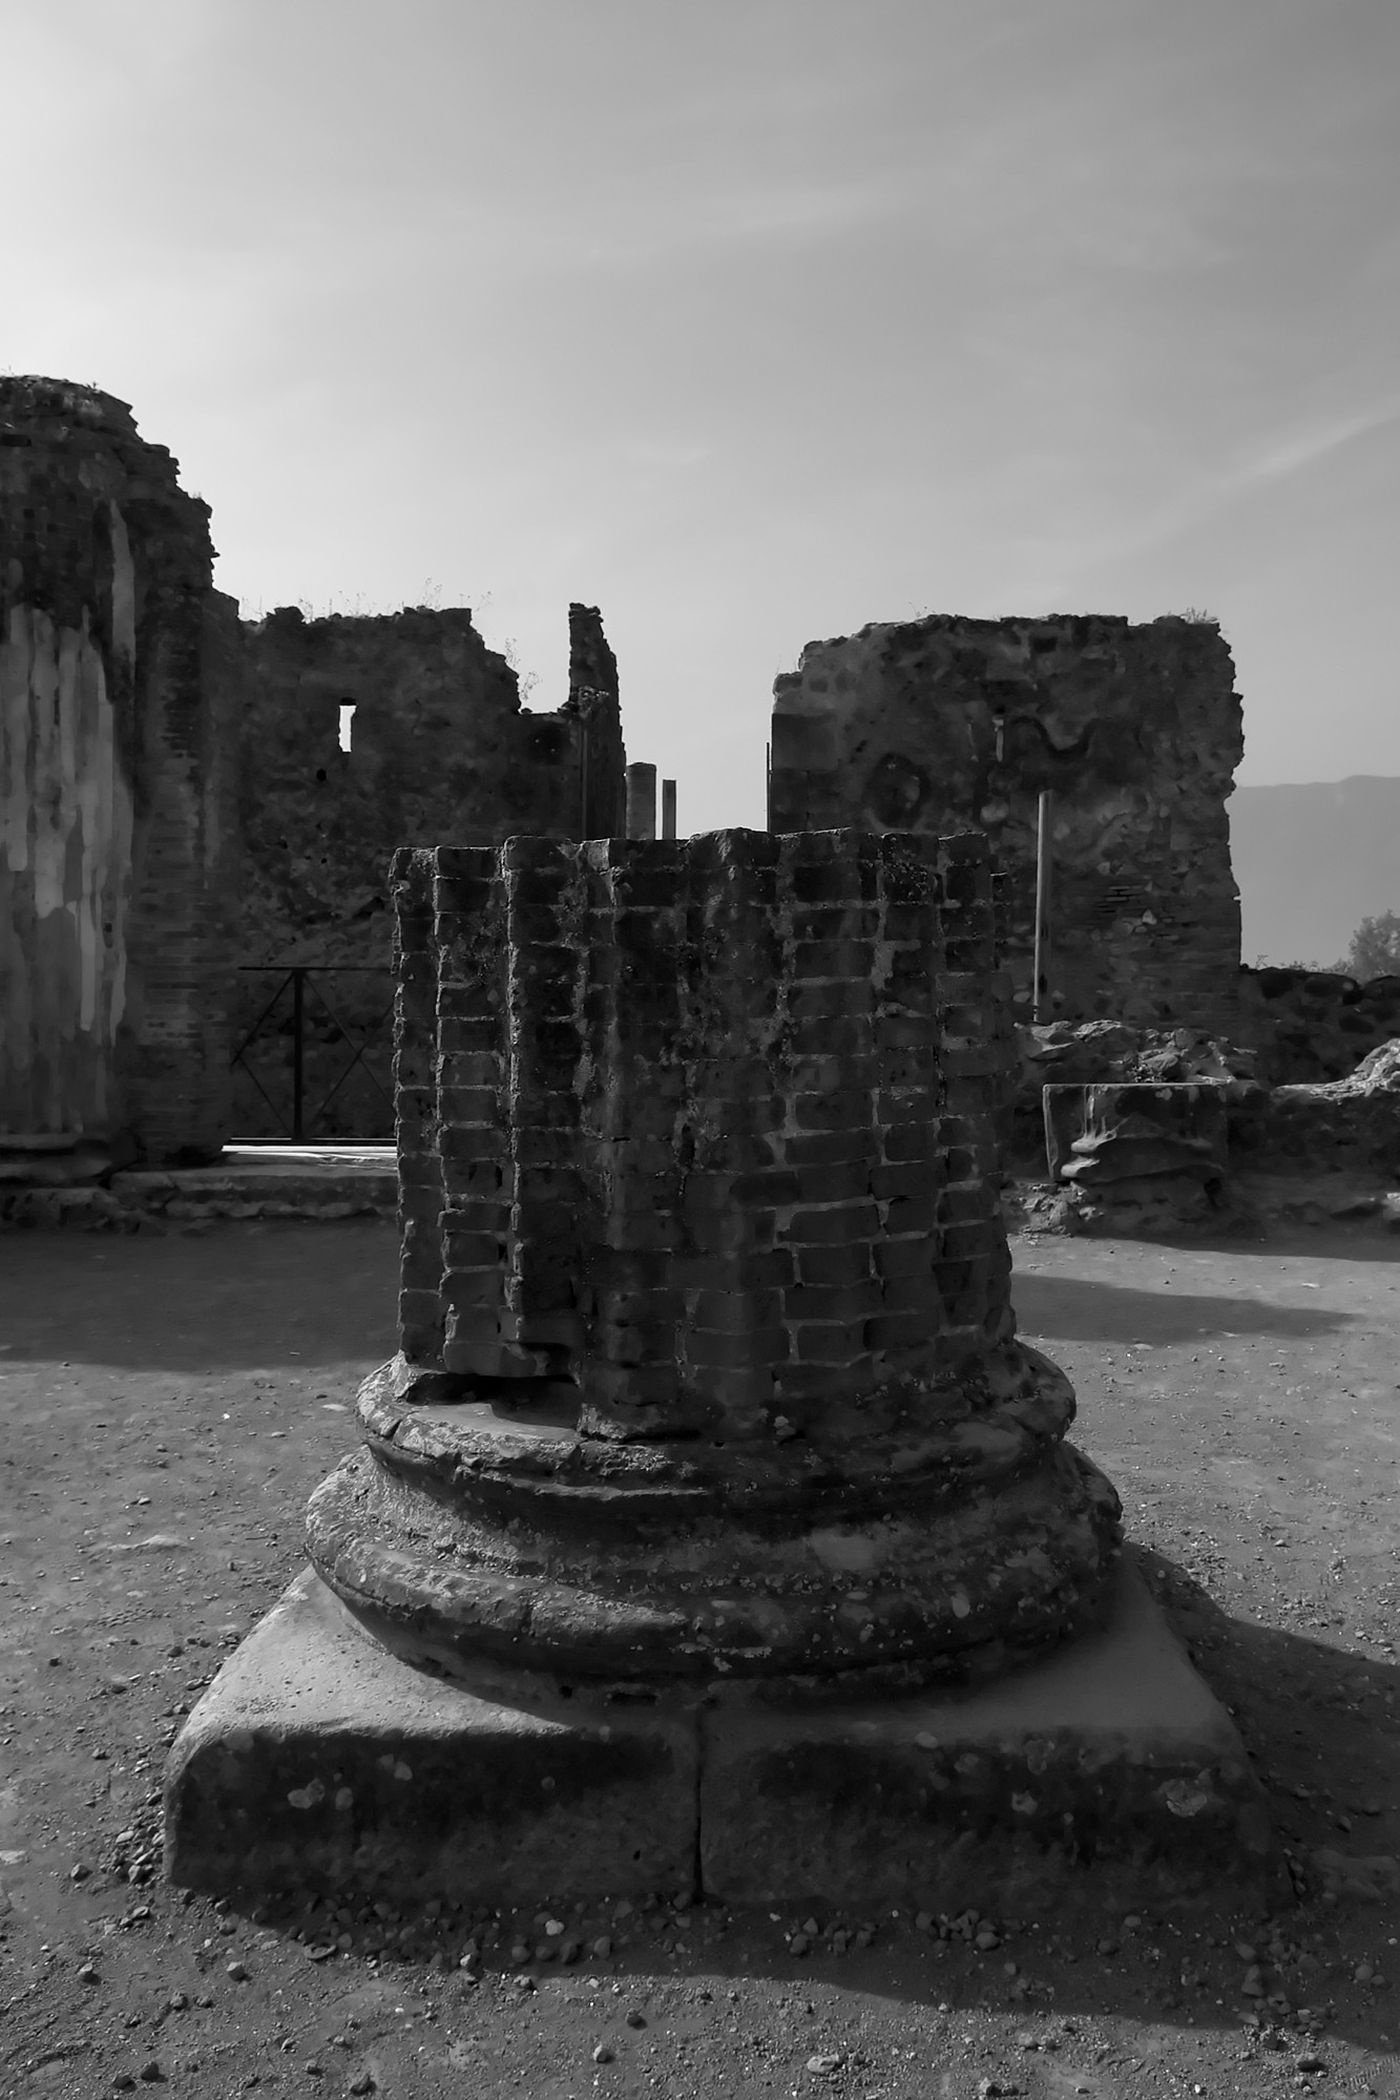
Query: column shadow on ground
x=258 y=1296
x=1055 y=1308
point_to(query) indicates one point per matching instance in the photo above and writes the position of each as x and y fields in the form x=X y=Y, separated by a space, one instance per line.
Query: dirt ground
x=169 y=1402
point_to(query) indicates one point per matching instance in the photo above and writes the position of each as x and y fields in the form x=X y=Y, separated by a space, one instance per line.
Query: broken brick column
x=708 y=1362
x=711 y=1493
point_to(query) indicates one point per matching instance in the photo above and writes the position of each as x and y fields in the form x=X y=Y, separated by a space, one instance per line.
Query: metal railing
x=295 y=1123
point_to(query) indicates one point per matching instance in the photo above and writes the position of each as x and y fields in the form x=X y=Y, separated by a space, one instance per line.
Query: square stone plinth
x=318 y=1760
x=1107 y=1774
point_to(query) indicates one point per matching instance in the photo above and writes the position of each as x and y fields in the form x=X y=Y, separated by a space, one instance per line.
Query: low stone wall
x=1106 y=1053
x=1138 y=1157
x=1344 y=1133
x=1349 y=1125
x=1308 y=1026
x=151 y=1201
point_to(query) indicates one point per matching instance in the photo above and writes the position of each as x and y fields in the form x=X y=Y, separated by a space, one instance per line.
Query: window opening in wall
x=347 y=716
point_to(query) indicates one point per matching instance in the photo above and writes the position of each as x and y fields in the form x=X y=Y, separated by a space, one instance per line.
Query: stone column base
x=1106 y=1772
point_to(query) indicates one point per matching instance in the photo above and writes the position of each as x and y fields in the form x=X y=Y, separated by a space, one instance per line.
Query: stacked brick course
x=946 y=724
x=705 y=1126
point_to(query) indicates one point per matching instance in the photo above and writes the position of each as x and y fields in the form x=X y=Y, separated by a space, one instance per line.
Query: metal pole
x=298 y=1072
x=1040 y=1000
x=768 y=787
x=668 y=809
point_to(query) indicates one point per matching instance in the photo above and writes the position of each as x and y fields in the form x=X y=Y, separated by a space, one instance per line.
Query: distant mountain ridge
x=1312 y=861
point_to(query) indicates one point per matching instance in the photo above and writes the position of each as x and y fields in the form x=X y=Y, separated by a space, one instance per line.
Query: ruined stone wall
x=945 y=723
x=440 y=748
x=1312 y=1026
x=705 y=1126
x=593 y=699
x=118 y=677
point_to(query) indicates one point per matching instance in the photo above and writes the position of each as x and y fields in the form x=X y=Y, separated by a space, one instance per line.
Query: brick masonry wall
x=706 y=1127
x=440 y=748
x=115 y=695
x=944 y=724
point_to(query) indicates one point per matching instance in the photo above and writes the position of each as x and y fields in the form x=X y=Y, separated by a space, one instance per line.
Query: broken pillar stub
x=641 y=801
x=711 y=1495
x=708 y=1366
x=593 y=702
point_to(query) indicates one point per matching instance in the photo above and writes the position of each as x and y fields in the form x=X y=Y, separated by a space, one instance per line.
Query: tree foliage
x=1375 y=947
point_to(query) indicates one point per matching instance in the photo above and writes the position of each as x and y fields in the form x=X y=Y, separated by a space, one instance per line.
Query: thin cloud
x=1069 y=556
x=1289 y=455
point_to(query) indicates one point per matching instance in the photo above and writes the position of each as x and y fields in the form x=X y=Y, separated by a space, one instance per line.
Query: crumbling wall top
x=1135 y=729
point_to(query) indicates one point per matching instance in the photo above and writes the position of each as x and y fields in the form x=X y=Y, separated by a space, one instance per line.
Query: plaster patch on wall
x=14 y=738
x=123 y=590
x=68 y=841
x=119 y=681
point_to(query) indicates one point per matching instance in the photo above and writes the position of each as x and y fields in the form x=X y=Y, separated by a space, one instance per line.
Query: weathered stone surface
x=945 y=723
x=176 y=802
x=1309 y=1027
x=458 y=1535
x=708 y=1361
x=247 y=1184
x=1109 y=1755
x=119 y=688
x=318 y=1760
x=1065 y=1053
x=709 y=1412
x=440 y=747
x=1104 y=1774
x=1090 y=1052
x=1138 y=1158
x=1351 y=1123
x=1098 y=1134
x=657 y=1094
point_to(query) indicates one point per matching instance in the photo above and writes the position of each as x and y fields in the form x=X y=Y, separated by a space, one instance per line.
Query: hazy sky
x=749 y=321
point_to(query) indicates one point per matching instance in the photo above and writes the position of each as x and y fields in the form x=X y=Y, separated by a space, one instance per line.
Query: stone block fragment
x=1105 y=1774
x=319 y=1760
x=1139 y=1156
